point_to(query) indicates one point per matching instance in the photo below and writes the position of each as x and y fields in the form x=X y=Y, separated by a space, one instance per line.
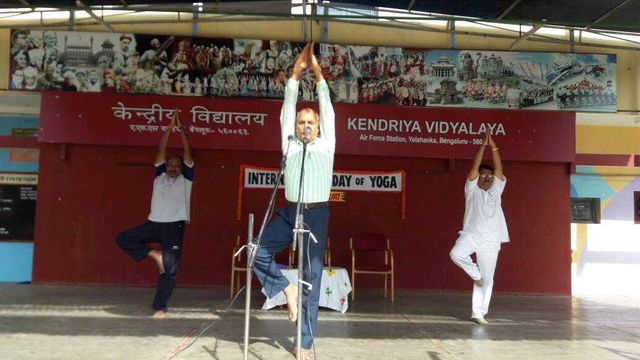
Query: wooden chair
x=367 y=249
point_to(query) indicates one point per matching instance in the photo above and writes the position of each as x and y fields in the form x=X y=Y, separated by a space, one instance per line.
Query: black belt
x=306 y=206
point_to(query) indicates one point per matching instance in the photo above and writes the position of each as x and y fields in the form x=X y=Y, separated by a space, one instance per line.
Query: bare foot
x=478 y=282
x=305 y=354
x=480 y=320
x=157 y=257
x=159 y=314
x=291 y=293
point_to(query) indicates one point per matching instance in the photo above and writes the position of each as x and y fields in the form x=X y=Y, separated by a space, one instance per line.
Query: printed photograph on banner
x=70 y=61
x=42 y=60
x=182 y=65
x=498 y=79
x=265 y=66
x=379 y=68
x=410 y=87
x=444 y=87
x=338 y=68
x=584 y=82
x=413 y=63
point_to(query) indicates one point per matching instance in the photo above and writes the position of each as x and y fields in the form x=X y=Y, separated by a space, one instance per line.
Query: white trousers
x=486 y=256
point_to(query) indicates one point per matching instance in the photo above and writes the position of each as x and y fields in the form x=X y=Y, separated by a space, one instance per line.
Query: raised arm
x=315 y=66
x=288 y=112
x=473 y=173
x=327 y=116
x=497 y=162
x=186 y=144
x=161 y=156
x=302 y=62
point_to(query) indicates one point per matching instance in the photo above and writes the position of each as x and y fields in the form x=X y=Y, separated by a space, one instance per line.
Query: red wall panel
x=85 y=199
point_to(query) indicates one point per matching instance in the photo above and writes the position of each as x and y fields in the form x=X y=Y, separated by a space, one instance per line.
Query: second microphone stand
x=253 y=246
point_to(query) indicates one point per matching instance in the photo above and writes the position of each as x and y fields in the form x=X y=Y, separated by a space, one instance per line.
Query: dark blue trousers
x=277 y=236
x=134 y=242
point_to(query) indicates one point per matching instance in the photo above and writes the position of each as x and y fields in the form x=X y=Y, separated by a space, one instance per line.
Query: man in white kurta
x=484 y=228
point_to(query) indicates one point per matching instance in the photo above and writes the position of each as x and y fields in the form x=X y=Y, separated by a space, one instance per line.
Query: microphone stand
x=252 y=248
x=298 y=238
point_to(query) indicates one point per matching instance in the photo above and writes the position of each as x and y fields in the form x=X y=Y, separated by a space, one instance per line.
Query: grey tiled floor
x=84 y=322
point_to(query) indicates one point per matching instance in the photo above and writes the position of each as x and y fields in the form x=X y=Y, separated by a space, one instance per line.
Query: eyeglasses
x=486 y=176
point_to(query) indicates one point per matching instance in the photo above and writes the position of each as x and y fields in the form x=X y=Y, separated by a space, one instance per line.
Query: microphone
x=283 y=163
x=307 y=132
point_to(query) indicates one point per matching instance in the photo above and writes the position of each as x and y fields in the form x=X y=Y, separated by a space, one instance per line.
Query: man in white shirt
x=484 y=228
x=170 y=204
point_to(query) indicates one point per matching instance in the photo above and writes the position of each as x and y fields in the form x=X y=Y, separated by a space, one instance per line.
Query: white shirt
x=171 y=199
x=483 y=216
x=318 y=173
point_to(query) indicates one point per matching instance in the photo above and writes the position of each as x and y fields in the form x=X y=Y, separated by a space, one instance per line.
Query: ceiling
x=602 y=14
x=619 y=15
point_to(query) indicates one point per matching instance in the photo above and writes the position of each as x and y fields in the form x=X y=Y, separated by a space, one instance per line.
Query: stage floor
x=96 y=322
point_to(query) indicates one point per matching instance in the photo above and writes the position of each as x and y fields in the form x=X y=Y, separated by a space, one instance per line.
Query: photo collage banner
x=43 y=60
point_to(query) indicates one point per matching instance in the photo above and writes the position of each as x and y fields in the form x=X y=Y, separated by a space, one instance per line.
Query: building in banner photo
x=195 y=66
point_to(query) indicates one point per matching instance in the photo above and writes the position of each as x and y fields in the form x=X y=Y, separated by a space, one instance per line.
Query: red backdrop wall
x=88 y=193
